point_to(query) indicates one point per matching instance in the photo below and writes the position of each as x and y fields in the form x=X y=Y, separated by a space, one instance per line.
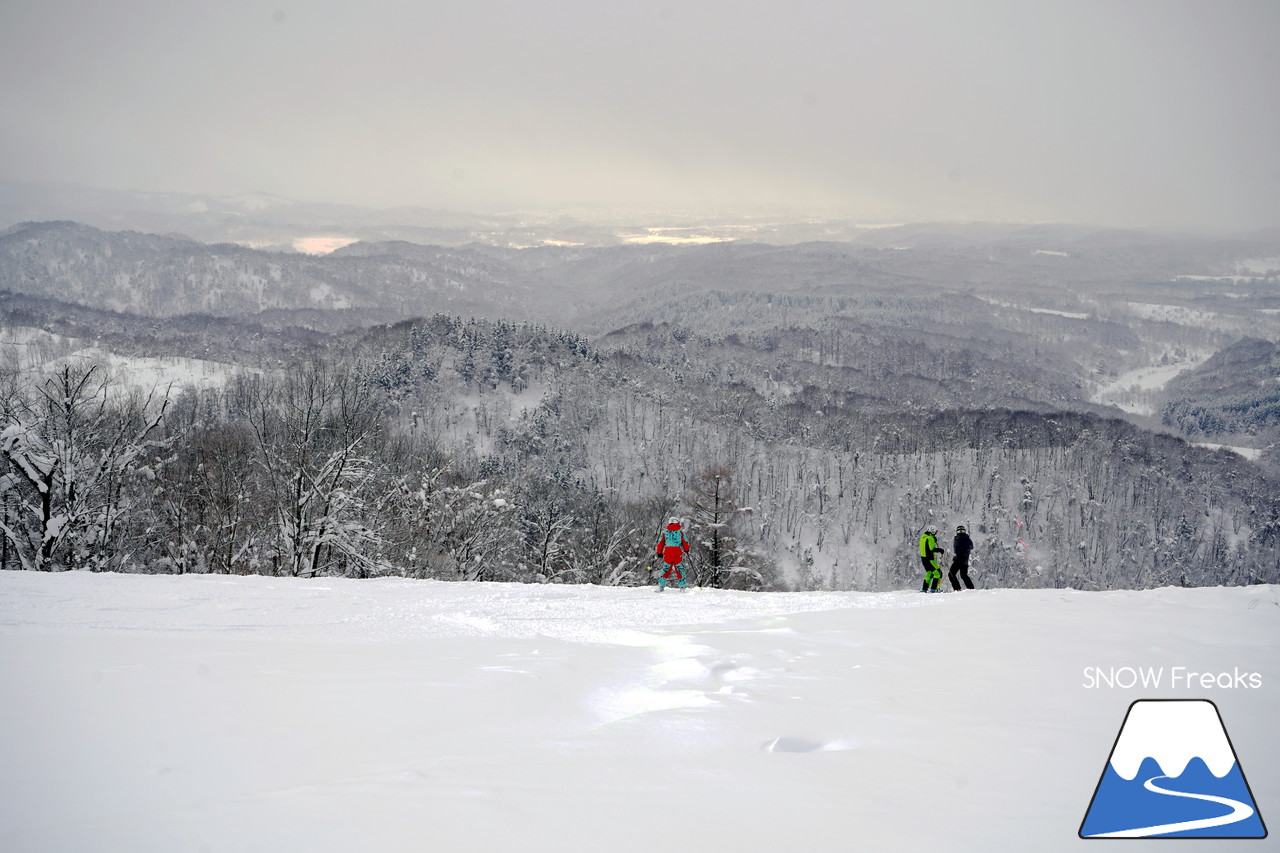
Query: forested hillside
x=839 y=485
x=1236 y=393
x=477 y=450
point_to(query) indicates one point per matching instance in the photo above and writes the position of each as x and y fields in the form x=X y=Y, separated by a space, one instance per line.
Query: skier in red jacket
x=672 y=546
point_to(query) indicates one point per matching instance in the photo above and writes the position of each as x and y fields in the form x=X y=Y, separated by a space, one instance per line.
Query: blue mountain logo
x=1173 y=773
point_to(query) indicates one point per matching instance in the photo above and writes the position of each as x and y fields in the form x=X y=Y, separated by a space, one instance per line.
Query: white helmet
x=673 y=520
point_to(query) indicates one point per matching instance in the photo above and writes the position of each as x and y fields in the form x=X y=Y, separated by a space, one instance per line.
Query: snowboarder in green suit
x=928 y=549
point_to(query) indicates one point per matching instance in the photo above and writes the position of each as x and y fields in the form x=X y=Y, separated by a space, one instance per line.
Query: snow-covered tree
x=312 y=432
x=69 y=448
x=453 y=528
x=722 y=557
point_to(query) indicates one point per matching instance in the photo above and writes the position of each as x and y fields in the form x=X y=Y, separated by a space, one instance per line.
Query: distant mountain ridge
x=163 y=276
x=168 y=275
x=254 y=215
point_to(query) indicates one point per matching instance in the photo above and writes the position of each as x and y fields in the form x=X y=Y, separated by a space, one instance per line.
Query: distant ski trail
x=1241 y=811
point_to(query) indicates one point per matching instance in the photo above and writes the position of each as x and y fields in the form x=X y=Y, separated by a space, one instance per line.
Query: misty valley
x=1100 y=408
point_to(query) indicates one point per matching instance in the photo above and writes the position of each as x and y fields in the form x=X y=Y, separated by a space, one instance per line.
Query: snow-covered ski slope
x=244 y=714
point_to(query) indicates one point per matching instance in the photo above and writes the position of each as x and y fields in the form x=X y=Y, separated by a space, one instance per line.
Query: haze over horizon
x=1146 y=113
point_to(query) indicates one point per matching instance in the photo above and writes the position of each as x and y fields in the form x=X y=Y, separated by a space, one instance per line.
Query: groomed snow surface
x=239 y=714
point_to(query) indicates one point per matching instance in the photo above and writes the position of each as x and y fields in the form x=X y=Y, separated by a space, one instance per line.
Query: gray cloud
x=1147 y=112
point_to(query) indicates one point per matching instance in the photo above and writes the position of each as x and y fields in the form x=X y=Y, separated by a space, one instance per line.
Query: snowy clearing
x=660 y=235
x=1247 y=452
x=146 y=372
x=240 y=714
x=35 y=351
x=1178 y=315
x=1134 y=390
x=27 y=348
x=322 y=245
x=1071 y=315
x=1259 y=266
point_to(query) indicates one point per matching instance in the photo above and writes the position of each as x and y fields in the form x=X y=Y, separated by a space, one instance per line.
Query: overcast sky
x=1153 y=112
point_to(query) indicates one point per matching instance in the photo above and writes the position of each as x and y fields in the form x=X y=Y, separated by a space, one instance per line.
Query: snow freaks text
x=1174 y=678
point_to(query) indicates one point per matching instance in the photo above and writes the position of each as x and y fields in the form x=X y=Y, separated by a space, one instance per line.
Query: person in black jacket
x=962 y=545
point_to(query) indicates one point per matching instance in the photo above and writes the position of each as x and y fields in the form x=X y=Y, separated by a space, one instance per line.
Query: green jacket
x=928 y=544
